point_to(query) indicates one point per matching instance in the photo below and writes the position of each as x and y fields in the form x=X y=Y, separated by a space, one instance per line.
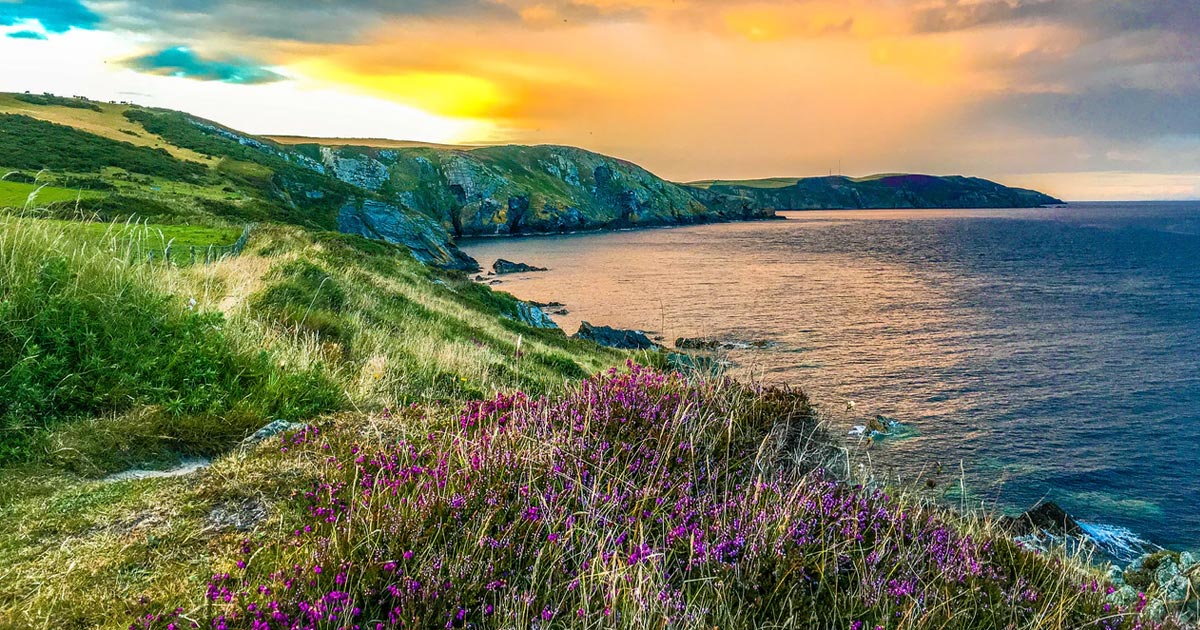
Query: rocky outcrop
x=1045 y=517
x=532 y=189
x=614 y=337
x=891 y=191
x=534 y=316
x=425 y=238
x=502 y=266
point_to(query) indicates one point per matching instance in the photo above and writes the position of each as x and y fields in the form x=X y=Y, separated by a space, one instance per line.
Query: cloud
x=181 y=61
x=55 y=16
x=288 y=20
x=27 y=35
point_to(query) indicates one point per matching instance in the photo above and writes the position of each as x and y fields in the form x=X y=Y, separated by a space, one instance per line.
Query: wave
x=1121 y=543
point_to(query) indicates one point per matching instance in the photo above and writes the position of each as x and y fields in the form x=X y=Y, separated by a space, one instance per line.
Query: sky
x=1084 y=99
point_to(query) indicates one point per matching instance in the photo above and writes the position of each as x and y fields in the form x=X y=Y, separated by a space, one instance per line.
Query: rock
x=1116 y=576
x=614 y=337
x=545 y=305
x=1046 y=517
x=1155 y=611
x=1167 y=571
x=1175 y=590
x=186 y=467
x=502 y=266
x=696 y=343
x=1123 y=596
x=426 y=239
x=239 y=516
x=529 y=314
x=1187 y=562
x=272 y=429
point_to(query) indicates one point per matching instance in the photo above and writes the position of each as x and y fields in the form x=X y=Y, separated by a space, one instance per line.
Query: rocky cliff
x=527 y=189
x=886 y=191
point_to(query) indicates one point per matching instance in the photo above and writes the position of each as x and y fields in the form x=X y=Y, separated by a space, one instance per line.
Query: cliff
x=526 y=189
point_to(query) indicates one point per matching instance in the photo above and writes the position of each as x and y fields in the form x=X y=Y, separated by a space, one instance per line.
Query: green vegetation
x=29 y=143
x=21 y=195
x=877 y=191
x=439 y=462
x=86 y=335
x=62 y=101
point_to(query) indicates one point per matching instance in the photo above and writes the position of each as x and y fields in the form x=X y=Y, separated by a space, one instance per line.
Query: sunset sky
x=1085 y=99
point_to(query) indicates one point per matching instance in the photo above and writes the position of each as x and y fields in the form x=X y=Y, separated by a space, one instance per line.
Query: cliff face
x=529 y=189
x=891 y=191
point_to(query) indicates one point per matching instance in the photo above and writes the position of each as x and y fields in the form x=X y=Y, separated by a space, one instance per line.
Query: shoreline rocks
x=502 y=267
x=614 y=337
x=1047 y=517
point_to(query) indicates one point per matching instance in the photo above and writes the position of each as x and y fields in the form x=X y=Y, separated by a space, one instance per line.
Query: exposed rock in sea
x=428 y=241
x=696 y=343
x=614 y=337
x=502 y=266
x=1046 y=517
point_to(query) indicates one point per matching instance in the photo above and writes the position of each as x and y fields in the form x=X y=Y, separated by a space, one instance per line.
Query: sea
x=1024 y=355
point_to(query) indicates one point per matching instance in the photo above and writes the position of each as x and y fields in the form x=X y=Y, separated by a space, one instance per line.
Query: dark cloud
x=27 y=35
x=1103 y=17
x=1113 y=113
x=180 y=61
x=56 y=16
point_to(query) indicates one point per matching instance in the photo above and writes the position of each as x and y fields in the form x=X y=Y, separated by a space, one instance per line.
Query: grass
x=20 y=195
x=109 y=122
x=505 y=491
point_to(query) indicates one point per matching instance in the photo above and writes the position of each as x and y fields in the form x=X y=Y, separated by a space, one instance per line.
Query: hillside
x=313 y=429
x=879 y=191
x=159 y=163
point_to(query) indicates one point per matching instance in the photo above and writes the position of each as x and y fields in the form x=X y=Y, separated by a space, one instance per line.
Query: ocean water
x=1034 y=354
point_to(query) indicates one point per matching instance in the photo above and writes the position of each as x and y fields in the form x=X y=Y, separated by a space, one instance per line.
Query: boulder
x=502 y=266
x=532 y=315
x=1046 y=517
x=272 y=429
x=614 y=337
x=696 y=343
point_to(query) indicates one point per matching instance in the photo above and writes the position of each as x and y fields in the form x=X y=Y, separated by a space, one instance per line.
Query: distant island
x=899 y=190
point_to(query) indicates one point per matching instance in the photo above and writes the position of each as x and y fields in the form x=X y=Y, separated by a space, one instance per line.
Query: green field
x=17 y=195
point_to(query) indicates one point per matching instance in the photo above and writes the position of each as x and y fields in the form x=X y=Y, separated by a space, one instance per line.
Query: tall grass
x=637 y=500
x=85 y=333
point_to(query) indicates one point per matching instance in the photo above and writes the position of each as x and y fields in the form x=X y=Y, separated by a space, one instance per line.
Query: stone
x=272 y=429
x=1123 y=596
x=1187 y=562
x=1167 y=571
x=502 y=266
x=1155 y=611
x=425 y=238
x=696 y=343
x=1175 y=590
x=532 y=315
x=614 y=337
x=1046 y=517
x=238 y=516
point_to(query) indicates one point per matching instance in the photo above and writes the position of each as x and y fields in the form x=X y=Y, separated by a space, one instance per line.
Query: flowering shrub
x=637 y=500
